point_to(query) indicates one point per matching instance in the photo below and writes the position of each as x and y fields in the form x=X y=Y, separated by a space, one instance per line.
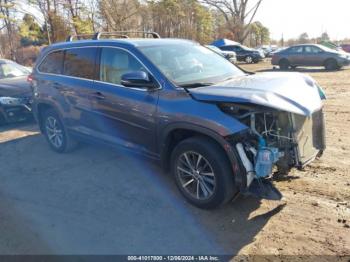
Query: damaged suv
x=216 y=128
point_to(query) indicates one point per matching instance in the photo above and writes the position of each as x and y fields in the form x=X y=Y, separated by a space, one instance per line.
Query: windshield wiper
x=193 y=85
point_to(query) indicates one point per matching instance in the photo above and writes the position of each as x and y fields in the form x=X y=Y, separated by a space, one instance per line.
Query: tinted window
x=52 y=63
x=295 y=49
x=80 y=62
x=312 y=49
x=115 y=63
x=231 y=48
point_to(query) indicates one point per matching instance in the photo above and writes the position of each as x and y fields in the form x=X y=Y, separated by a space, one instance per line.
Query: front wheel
x=55 y=133
x=203 y=173
x=331 y=65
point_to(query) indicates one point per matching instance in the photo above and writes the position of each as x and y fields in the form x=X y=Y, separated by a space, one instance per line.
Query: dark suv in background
x=215 y=127
x=244 y=53
x=310 y=55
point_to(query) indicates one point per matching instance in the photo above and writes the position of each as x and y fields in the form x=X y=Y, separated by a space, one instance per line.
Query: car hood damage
x=289 y=92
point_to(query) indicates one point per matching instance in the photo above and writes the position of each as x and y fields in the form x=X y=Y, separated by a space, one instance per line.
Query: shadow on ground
x=97 y=200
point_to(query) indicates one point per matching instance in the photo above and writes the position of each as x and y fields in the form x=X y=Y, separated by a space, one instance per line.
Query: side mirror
x=139 y=79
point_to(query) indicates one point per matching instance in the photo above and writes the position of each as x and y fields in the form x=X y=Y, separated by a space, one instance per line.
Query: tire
x=293 y=67
x=284 y=64
x=331 y=64
x=219 y=182
x=55 y=132
x=249 y=60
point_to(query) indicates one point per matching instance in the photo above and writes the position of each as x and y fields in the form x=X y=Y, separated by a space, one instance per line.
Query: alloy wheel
x=196 y=175
x=249 y=59
x=54 y=132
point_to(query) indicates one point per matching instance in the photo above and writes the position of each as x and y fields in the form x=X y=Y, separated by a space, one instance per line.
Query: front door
x=123 y=115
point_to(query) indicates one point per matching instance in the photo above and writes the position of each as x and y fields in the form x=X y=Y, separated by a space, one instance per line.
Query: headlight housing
x=5 y=100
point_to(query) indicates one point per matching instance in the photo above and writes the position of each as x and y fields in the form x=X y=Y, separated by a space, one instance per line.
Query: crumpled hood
x=292 y=92
x=15 y=87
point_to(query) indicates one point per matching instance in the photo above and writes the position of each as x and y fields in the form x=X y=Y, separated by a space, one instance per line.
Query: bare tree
x=238 y=15
x=8 y=18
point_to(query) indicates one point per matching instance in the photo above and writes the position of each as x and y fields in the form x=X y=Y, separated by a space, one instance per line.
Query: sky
x=290 y=17
x=293 y=17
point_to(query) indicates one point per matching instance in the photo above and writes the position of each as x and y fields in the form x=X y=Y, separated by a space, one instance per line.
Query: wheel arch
x=174 y=134
x=40 y=108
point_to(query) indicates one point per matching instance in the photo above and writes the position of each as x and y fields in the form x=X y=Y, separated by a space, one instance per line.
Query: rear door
x=123 y=115
x=76 y=86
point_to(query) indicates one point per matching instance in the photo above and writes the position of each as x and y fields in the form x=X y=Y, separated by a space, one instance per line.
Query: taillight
x=30 y=78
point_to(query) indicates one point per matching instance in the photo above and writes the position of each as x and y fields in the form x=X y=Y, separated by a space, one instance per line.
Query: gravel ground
x=98 y=200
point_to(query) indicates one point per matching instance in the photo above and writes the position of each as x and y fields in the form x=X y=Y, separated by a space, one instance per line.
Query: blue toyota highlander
x=216 y=128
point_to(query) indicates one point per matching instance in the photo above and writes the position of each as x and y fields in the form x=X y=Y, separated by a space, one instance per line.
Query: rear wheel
x=55 y=132
x=284 y=64
x=202 y=172
x=331 y=64
x=249 y=59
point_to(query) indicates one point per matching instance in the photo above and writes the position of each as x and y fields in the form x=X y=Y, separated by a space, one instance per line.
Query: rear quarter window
x=52 y=63
x=80 y=62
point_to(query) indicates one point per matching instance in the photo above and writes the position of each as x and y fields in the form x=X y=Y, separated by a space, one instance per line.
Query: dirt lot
x=101 y=201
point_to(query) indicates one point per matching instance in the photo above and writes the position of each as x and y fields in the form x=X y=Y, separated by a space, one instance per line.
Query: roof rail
x=71 y=37
x=124 y=34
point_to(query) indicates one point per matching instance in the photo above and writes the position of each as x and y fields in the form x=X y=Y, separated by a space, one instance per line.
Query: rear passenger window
x=295 y=49
x=80 y=62
x=52 y=63
x=116 y=62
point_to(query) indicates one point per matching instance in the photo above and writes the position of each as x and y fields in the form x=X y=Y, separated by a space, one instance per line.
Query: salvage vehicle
x=219 y=130
x=15 y=92
x=229 y=55
x=310 y=55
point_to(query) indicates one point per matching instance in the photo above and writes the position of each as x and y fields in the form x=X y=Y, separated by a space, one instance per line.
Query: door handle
x=98 y=95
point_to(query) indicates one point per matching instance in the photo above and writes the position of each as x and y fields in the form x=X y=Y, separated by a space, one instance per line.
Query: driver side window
x=114 y=63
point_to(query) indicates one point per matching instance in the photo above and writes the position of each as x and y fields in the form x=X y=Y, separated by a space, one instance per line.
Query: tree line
x=47 y=21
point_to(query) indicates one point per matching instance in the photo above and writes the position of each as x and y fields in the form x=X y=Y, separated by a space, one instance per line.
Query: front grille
x=309 y=134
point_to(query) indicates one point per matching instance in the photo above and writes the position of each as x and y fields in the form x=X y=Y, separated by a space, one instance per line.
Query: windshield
x=8 y=70
x=214 y=48
x=186 y=64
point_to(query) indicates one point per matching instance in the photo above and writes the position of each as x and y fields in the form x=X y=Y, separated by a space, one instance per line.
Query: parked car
x=217 y=129
x=346 y=47
x=15 y=92
x=244 y=53
x=229 y=55
x=310 y=55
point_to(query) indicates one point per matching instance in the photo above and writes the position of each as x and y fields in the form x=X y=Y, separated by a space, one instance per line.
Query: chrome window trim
x=98 y=81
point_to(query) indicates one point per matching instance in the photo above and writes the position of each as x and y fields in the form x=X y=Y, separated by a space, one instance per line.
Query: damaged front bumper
x=277 y=139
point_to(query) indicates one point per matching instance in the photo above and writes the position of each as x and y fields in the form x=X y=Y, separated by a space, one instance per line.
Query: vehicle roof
x=308 y=45
x=134 y=42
